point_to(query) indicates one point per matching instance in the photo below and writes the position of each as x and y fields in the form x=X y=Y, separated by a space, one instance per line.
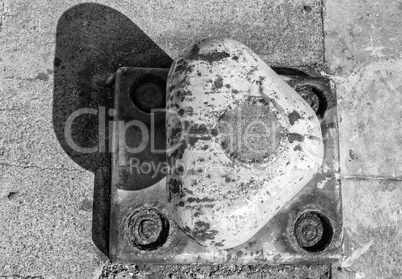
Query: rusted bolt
x=313 y=231
x=147 y=228
x=148 y=92
x=314 y=97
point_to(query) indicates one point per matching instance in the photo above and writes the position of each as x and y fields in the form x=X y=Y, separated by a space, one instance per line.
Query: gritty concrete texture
x=361 y=31
x=214 y=272
x=283 y=32
x=46 y=223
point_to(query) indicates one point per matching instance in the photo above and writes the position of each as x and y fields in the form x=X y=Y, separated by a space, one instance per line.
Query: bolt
x=308 y=230
x=308 y=93
x=313 y=231
x=147 y=228
x=148 y=93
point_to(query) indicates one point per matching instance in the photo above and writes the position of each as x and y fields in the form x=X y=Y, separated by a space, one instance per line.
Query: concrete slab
x=372 y=228
x=360 y=31
x=46 y=223
x=362 y=43
x=369 y=103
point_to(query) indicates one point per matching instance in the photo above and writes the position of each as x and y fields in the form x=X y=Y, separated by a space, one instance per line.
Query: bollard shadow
x=92 y=42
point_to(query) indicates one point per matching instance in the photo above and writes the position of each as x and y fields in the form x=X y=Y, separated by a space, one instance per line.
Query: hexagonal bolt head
x=313 y=231
x=147 y=228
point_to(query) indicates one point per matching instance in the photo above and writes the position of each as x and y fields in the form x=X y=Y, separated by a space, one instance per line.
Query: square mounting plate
x=308 y=229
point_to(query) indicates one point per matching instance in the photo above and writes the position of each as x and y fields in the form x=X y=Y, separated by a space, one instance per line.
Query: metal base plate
x=308 y=229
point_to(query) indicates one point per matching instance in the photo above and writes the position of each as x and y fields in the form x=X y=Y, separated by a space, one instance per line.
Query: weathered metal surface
x=147 y=228
x=276 y=242
x=134 y=123
x=241 y=142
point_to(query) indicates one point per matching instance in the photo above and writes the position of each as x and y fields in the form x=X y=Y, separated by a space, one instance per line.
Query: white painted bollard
x=242 y=142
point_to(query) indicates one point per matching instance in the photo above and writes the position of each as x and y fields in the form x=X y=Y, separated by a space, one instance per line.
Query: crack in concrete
x=371 y=177
x=322 y=14
x=40 y=168
x=9 y=109
x=21 y=277
x=2 y=14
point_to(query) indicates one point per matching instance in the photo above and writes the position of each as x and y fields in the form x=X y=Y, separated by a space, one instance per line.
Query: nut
x=313 y=231
x=147 y=228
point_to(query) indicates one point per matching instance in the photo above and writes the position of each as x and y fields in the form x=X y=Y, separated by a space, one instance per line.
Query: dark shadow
x=92 y=42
